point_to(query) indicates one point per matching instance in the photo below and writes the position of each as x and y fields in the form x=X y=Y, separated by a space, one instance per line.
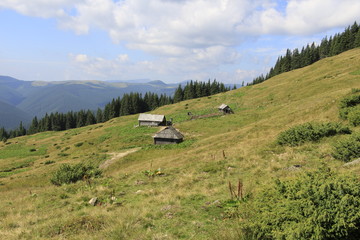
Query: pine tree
x=179 y=94
x=46 y=125
x=3 y=134
x=357 y=39
x=34 y=127
x=324 y=50
x=107 y=112
x=80 y=119
x=70 y=121
x=99 y=116
x=295 y=61
x=189 y=91
x=125 y=105
x=90 y=118
x=21 y=130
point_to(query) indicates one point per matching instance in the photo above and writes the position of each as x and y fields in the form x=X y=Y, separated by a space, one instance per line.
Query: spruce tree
x=34 y=127
x=179 y=94
x=357 y=39
x=70 y=120
x=99 y=116
x=3 y=134
x=90 y=118
x=21 y=130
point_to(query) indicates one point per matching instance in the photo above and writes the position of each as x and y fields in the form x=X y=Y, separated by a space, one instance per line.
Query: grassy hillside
x=186 y=201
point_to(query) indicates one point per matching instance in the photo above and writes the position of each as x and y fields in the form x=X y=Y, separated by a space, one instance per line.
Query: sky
x=169 y=40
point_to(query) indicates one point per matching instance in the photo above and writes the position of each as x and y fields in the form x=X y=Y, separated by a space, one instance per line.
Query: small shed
x=168 y=135
x=151 y=120
x=225 y=109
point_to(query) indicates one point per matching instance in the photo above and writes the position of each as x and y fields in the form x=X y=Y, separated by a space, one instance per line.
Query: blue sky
x=168 y=40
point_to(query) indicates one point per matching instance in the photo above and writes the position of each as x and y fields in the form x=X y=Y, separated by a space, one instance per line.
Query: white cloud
x=81 y=58
x=167 y=27
x=185 y=37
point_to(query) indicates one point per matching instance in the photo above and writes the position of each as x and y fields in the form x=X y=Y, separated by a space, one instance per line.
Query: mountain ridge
x=36 y=98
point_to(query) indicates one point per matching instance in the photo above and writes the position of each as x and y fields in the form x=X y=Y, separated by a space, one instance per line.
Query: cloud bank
x=192 y=36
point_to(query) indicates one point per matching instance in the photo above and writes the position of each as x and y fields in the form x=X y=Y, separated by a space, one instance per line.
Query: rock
x=217 y=203
x=93 y=201
x=295 y=167
x=352 y=163
x=139 y=191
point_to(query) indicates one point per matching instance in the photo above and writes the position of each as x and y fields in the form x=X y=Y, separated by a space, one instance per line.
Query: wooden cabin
x=151 y=120
x=225 y=109
x=168 y=135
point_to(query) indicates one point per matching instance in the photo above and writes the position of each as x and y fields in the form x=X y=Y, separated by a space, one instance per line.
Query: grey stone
x=93 y=201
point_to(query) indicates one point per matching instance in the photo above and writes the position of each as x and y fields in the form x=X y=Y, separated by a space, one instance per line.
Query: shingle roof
x=169 y=133
x=223 y=106
x=151 y=117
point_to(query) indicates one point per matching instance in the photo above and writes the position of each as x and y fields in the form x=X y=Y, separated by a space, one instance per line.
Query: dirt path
x=116 y=156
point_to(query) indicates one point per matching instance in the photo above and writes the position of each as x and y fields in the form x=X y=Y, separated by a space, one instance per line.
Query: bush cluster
x=350 y=108
x=316 y=205
x=354 y=116
x=69 y=174
x=348 y=148
x=310 y=132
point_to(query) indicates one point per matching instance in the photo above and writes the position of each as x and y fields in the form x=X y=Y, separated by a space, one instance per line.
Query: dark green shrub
x=355 y=90
x=354 y=116
x=316 y=205
x=78 y=144
x=347 y=104
x=49 y=162
x=310 y=132
x=347 y=149
x=63 y=154
x=69 y=174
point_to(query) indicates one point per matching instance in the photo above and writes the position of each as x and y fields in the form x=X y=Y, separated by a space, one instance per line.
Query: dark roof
x=151 y=117
x=169 y=133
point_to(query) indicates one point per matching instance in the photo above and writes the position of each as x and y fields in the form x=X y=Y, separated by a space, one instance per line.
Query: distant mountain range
x=23 y=100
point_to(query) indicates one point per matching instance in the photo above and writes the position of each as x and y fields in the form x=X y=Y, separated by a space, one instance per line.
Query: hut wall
x=160 y=141
x=147 y=123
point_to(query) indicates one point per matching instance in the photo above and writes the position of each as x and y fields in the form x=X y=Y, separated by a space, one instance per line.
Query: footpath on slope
x=116 y=156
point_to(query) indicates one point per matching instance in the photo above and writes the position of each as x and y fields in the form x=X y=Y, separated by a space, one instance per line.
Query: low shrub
x=348 y=103
x=347 y=149
x=315 y=205
x=49 y=162
x=69 y=174
x=78 y=144
x=310 y=132
x=354 y=116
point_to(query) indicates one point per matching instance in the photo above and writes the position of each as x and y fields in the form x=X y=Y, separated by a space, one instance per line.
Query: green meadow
x=178 y=191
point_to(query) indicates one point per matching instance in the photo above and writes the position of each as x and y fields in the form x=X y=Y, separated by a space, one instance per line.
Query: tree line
x=199 y=89
x=328 y=47
x=130 y=103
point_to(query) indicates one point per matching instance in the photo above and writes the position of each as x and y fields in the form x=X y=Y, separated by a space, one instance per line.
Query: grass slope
x=183 y=203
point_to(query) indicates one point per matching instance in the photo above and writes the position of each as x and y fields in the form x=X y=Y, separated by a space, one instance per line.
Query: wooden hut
x=151 y=120
x=225 y=109
x=168 y=135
